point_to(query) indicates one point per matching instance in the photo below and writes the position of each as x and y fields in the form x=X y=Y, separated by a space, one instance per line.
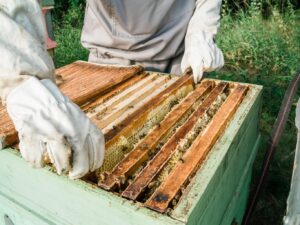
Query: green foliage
x=70 y=11
x=63 y=4
x=265 y=7
x=67 y=33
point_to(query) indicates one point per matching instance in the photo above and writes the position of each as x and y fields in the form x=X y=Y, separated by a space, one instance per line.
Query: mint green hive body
x=216 y=195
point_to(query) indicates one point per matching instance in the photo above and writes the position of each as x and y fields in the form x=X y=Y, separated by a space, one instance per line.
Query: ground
x=257 y=50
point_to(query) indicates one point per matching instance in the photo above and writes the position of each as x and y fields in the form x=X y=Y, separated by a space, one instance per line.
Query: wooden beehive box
x=176 y=153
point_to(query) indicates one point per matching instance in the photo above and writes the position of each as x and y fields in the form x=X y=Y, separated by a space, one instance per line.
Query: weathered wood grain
x=96 y=79
x=110 y=113
x=141 y=152
x=143 y=179
x=143 y=117
x=91 y=105
x=140 y=116
x=123 y=96
x=8 y=134
x=80 y=81
x=162 y=196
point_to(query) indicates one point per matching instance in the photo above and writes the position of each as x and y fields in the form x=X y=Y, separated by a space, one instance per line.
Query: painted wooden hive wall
x=152 y=174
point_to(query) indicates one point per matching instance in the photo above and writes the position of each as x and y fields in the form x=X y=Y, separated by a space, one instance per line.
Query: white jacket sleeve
x=22 y=44
x=206 y=17
x=201 y=53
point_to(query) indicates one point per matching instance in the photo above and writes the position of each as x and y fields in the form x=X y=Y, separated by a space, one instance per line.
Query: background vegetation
x=261 y=43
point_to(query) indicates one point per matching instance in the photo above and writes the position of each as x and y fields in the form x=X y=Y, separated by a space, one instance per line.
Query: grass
x=67 y=34
x=265 y=52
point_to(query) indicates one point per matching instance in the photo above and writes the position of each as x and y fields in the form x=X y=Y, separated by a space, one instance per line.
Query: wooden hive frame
x=167 y=151
x=184 y=169
x=131 y=165
x=141 y=152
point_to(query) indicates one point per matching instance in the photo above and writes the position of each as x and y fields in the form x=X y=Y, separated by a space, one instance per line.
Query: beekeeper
x=167 y=36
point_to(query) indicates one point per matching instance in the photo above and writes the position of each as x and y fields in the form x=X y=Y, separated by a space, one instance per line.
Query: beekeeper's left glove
x=51 y=126
x=201 y=53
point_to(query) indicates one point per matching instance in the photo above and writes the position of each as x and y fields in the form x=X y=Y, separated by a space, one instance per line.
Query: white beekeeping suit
x=48 y=123
x=293 y=203
x=161 y=35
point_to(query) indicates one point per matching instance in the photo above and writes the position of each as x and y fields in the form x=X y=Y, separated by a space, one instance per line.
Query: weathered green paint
x=237 y=206
x=17 y=213
x=216 y=195
x=63 y=201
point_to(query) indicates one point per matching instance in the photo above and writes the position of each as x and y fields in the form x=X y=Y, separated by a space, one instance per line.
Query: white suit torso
x=150 y=32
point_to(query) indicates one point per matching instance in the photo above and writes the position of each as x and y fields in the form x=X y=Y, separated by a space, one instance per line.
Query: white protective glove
x=50 y=125
x=201 y=53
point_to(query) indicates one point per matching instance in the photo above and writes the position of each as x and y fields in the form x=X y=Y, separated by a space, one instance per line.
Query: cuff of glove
x=199 y=37
x=8 y=84
x=32 y=92
x=201 y=54
x=33 y=95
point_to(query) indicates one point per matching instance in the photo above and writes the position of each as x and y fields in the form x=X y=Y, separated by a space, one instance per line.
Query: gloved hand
x=50 y=125
x=201 y=53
